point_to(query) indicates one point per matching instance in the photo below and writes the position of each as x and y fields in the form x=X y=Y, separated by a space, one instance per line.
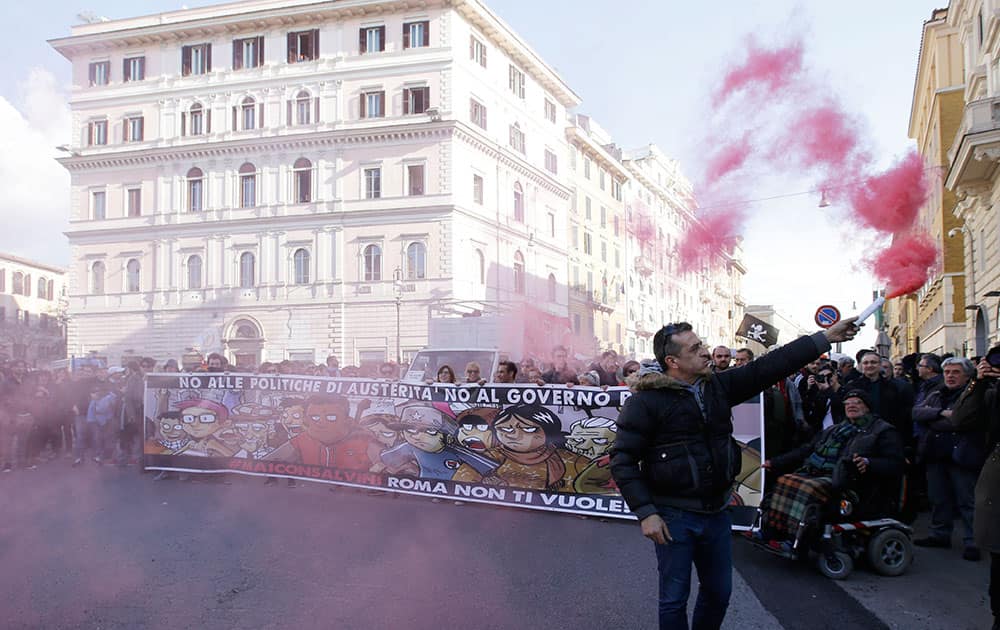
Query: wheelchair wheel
x=890 y=552
x=836 y=566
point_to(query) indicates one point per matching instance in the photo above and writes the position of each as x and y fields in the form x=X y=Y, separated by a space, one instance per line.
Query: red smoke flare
x=824 y=137
x=889 y=202
x=715 y=232
x=905 y=265
x=774 y=69
x=728 y=159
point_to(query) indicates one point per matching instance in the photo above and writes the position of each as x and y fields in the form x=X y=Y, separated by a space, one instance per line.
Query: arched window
x=43 y=289
x=302 y=180
x=248 y=271
x=518 y=203
x=518 y=273
x=17 y=283
x=51 y=291
x=246 y=330
x=248 y=186
x=197 y=115
x=248 y=113
x=301 y=260
x=552 y=287
x=481 y=259
x=302 y=109
x=194 y=272
x=132 y=276
x=97 y=273
x=416 y=261
x=196 y=190
x=373 y=263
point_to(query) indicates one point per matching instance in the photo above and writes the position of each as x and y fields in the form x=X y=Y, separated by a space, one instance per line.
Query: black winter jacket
x=667 y=453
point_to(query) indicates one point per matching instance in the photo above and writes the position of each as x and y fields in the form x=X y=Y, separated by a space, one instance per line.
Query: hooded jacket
x=671 y=451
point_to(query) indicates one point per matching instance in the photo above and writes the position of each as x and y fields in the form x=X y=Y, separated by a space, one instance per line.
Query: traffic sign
x=827 y=315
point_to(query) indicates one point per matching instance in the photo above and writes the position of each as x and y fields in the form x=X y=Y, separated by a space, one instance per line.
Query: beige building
x=974 y=156
x=933 y=319
x=32 y=310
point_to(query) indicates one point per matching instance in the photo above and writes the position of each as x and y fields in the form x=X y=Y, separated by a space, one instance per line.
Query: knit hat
x=861 y=395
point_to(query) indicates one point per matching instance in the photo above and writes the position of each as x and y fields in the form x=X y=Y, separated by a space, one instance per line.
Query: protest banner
x=543 y=448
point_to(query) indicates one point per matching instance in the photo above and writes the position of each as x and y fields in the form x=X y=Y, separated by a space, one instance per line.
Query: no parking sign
x=827 y=315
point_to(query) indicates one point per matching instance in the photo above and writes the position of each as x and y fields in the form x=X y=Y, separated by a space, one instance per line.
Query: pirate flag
x=754 y=329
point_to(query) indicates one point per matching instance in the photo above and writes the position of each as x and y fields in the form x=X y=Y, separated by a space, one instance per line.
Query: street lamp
x=397 y=290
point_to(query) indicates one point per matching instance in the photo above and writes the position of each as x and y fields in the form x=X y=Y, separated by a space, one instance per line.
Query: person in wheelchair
x=863 y=454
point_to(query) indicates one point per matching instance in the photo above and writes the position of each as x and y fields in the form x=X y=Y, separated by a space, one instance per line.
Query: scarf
x=826 y=453
x=554 y=466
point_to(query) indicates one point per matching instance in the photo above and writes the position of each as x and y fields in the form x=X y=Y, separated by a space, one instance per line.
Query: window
x=587 y=246
x=477 y=113
x=100 y=72
x=301 y=263
x=416 y=34
x=477 y=51
x=552 y=225
x=481 y=259
x=133 y=202
x=97 y=273
x=50 y=292
x=373 y=263
x=196 y=190
x=550 y=111
x=133 y=69
x=601 y=175
x=519 y=273
x=196 y=59
x=97 y=132
x=415 y=179
x=586 y=167
x=197 y=117
x=518 y=203
x=516 y=138
x=248 y=186
x=248 y=52
x=616 y=189
x=248 y=113
x=303 y=46
x=618 y=258
x=604 y=216
x=516 y=81
x=194 y=272
x=17 y=283
x=551 y=162
x=303 y=109
x=416 y=100
x=416 y=261
x=373 y=182
x=604 y=251
x=373 y=104
x=27 y=285
x=552 y=288
x=98 y=205
x=3 y=280
x=617 y=223
x=587 y=208
x=132 y=276
x=133 y=129
x=248 y=270
x=302 y=179
x=42 y=288
x=477 y=189
x=372 y=39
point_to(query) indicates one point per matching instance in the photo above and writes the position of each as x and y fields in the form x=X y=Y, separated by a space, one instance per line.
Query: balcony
x=643 y=266
x=976 y=150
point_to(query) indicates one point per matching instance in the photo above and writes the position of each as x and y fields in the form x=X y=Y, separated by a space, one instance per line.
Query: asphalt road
x=108 y=548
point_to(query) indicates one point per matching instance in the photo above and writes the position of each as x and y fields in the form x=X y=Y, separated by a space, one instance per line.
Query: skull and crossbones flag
x=757 y=330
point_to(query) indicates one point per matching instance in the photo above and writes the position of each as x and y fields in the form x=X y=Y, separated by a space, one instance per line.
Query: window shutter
x=183 y=124
x=90 y=134
x=125 y=74
x=381 y=39
x=92 y=73
x=427 y=34
x=237 y=54
x=484 y=55
x=260 y=115
x=260 y=50
x=472 y=47
x=315 y=43
x=288 y=112
x=381 y=99
x=142 y=69
x=291 y=47
x=406 y=35
x=235 y=119
x=208 y=57
x=316 y=107
x=185 y=60
x=208 y=120
x=362 y=48
x=142 y=129
x=364 y=109
x=124 y=131
x=406 y=101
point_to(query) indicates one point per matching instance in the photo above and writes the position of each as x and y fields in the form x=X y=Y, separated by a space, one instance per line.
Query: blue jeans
x=706 y=541
x=88 y=432
x=951 y=490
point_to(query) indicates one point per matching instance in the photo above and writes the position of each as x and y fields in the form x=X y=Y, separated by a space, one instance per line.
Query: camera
x=822 y=378
x=993 y=358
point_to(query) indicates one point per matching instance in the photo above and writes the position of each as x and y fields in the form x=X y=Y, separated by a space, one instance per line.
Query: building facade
x=933 y=319
x=274 y=179
x=972 y=168
x=32 y=311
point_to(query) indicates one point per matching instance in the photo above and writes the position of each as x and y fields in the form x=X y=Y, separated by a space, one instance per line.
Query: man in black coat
x=887 y=401
x=675 y=460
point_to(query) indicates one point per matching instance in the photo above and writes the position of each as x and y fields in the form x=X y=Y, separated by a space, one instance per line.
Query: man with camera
x=822 y=400
x=675 y=460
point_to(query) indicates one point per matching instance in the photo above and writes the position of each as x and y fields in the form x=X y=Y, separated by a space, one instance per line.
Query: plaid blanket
x=792 y=494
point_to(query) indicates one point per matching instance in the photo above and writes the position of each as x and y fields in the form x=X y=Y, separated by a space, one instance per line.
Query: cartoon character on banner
x=530 y=449
x=253 y=432
x=593 y=437
x=475 y=425
x=202 y=419
x=292 y=411
x=170 y=437
x=430 y=450
x=376 y=417
x=329 y=437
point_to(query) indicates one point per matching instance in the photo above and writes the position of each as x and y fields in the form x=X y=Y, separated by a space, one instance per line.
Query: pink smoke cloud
x=772 y=70
x=890 y=202
x=904 y=266
x=728 y=159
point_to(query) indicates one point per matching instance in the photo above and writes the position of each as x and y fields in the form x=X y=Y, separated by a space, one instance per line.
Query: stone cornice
x=508 y=159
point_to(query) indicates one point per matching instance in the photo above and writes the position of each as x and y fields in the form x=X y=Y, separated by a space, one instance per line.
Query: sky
x=644 y=70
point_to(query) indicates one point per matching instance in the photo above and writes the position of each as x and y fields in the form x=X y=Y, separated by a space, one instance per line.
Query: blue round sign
x=827 y=315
